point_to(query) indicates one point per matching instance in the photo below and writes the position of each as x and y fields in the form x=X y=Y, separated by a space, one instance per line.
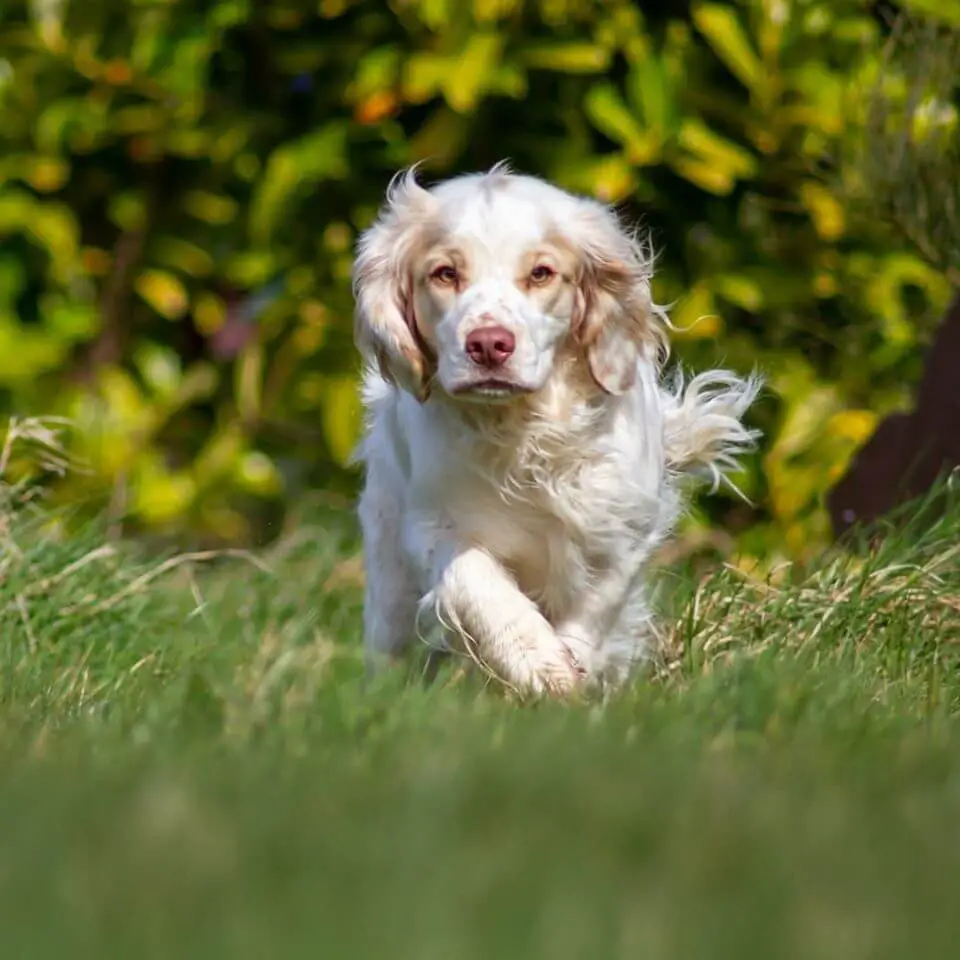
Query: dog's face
x=479 y=284
x=494 y=299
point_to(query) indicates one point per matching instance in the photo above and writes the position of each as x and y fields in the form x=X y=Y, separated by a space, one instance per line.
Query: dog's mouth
x=491 y=389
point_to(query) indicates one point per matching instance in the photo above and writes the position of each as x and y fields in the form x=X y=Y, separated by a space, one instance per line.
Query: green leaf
x=471 y=76
x=182 y=255
x=567 y=57
x=735 y=161
x=612 y=117
x=160 y=368
x=424 y=75
x=209 y=207
x=293 y=168
x=340 y=416
x=946 y=11
x=721 y=27
x=650 y=88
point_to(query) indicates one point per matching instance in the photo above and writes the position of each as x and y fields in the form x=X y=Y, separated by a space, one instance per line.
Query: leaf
x=723 y=31
x=211 y=208
x=182 y=255
x=159 y=367
x=826 y=211
x=292 y=168
x=258 y=474
x=424 y=75
x=946 y=11
x=340 y=416
x=567 y=57
x=160 y=496
x=55 y=228
x=127 y=209
x=736 y=161
x=376 y=71
x=703 y=175
x=471 y=76
x=164 y=292
x=612 y=117
x=651 y=89
x=740 y=290
x=48 y=174
x=248 y=382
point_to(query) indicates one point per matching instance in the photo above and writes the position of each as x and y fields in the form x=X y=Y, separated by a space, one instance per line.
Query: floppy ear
x=617 y=323
x=385 y=326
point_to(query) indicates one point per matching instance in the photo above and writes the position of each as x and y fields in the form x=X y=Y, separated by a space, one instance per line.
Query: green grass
x=192 y=765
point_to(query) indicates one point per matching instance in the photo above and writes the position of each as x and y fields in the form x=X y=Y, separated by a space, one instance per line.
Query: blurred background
x=182 y=184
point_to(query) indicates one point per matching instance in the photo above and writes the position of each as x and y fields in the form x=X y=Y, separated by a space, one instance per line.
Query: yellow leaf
x=164 y=292
x=704 y=175
x=855 y=425
x=160 y=495
x=464 y=84
x=613 y=179
x=340 y=415
x=827 y=214
x=209 y=313
x=567 y=57
x=47 y=174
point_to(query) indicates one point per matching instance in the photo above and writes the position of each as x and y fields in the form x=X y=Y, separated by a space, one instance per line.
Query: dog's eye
x=446 y=276
x=542 y=273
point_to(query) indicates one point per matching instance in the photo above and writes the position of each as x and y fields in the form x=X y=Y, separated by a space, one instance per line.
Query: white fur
x=518 y=528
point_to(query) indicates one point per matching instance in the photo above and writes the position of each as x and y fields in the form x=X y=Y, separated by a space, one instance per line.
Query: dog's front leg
x=482 y=610
x=609 y=627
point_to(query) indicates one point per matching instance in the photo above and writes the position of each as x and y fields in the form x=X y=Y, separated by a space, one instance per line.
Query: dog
x=523 y=451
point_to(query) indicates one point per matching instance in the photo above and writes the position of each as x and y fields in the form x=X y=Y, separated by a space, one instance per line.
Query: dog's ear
x=385 y=325
x=615 y=320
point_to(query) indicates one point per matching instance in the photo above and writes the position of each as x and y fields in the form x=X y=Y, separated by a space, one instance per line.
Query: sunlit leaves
x=721 y=26
x=212 y=164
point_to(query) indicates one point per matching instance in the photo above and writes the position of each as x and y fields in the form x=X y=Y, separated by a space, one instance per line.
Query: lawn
x=192 y=765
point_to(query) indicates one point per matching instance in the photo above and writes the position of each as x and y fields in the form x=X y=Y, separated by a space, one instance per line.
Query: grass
x=192 y=765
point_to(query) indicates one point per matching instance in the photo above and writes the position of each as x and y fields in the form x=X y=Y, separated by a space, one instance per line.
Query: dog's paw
x=537 y=663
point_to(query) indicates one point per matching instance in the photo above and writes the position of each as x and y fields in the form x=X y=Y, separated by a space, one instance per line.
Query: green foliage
x=181 y=185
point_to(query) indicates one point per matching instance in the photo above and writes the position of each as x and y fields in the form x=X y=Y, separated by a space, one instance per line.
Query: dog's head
x=480 y=284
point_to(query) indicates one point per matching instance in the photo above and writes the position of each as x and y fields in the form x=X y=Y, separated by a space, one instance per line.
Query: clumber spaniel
x=523 y=458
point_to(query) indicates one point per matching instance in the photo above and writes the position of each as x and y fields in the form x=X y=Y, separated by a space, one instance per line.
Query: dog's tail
x=703 y=430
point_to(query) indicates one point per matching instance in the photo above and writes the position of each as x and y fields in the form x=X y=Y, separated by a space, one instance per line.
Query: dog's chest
x=534 y=526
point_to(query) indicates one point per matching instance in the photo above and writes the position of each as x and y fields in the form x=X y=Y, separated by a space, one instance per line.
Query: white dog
x=522 y=455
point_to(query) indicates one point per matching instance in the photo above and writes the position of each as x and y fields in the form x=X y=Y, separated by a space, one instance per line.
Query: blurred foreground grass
x=191 y=765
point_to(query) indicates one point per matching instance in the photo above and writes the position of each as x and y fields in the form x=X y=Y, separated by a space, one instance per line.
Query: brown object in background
x=908 y=451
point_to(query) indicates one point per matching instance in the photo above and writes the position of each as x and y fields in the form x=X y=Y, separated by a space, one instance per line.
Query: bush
x=182 y=184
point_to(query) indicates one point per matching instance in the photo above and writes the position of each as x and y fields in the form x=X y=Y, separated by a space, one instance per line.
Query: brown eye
x=542 y=273
x=445 y=275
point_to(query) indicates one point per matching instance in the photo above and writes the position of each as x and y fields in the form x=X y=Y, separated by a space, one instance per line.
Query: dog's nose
x=490 y=346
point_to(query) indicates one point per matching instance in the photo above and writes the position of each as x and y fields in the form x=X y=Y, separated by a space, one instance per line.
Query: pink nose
x=490 y=346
